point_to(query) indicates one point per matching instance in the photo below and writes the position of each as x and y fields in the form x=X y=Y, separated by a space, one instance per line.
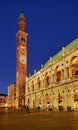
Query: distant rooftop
x=3 y=94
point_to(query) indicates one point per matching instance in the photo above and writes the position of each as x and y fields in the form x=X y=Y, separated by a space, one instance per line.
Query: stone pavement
x=48 y=120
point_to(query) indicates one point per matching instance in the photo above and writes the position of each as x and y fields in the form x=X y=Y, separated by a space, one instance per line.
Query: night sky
x=51 y=25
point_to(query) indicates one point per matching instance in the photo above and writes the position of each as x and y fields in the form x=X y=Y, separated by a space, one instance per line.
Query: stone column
x=65 y=73
x=35 y=90
x=52 y=78
x=65 y=104
x=55 y=78
x=72 y=99
x=62 y=74
x=70 y=72
x=42 y=81
x=51 y=96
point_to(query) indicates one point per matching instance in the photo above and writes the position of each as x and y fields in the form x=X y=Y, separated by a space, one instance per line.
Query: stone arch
x=32 y=85
x=58 y=73
x=39 y=99
x=47 y=79
x=39 y=83
x=74 y=65
x=28 y=88
x=47 y=98
x=60 y=100
x=59 y=97
x=75 y=92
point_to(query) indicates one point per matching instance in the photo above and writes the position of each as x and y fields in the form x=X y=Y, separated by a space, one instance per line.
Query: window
x=23 y=39
x=47 y=79
x=28 y=89
x=39 y=83
x=76 y=72
x=32 y=86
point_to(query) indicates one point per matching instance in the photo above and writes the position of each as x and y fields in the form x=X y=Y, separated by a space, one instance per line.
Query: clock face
x=23 y=59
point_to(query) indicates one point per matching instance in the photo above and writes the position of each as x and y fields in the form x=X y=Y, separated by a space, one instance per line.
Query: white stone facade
x=56 y=82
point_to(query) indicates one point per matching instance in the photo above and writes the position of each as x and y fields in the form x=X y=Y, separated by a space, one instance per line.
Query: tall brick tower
x=21 y=60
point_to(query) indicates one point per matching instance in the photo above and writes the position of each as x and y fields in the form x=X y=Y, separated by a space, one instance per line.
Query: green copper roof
x=22 y=13
x=69 y=46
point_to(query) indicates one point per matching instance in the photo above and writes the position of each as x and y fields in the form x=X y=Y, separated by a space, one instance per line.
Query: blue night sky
x=51 y=25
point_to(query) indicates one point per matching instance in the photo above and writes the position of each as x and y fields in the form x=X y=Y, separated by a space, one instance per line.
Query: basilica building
x=56 y=83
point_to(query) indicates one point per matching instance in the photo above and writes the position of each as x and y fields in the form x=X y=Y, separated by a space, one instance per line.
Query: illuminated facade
x=56 y=82
x=3 y=100
x=11 y=102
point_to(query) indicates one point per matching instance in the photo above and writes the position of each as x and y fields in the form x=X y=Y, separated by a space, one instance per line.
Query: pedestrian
x=48 y=106
x=39 y=107
x=27 y=109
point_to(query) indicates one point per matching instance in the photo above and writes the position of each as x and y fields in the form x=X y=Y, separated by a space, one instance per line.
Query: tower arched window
x=23 y=39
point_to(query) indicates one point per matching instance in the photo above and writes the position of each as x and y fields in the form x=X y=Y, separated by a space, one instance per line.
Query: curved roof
x=67 y=48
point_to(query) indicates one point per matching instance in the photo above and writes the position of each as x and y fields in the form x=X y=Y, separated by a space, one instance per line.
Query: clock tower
x=21 y=60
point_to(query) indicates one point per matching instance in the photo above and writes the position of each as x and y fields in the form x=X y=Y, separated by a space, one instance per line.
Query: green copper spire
x=22 y=13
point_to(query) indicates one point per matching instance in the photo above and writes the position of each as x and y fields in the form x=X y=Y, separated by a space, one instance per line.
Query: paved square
x=49 y=120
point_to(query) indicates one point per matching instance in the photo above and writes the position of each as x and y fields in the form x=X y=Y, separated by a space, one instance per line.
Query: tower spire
x=22 y=13
x=22 y=22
